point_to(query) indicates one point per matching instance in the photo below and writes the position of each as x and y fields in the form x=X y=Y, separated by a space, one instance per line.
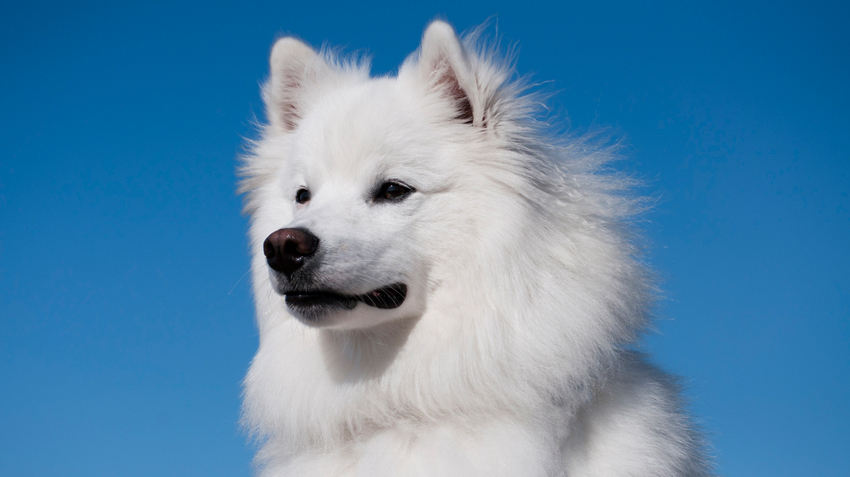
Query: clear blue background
x=126 y=313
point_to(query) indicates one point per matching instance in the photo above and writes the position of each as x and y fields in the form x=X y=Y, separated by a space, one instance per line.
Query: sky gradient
x=126 y=322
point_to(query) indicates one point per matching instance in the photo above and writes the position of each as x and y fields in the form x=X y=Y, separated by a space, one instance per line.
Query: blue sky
x=126 y=318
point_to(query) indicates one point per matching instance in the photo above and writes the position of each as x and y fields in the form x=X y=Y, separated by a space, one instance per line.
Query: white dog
x=442 y=289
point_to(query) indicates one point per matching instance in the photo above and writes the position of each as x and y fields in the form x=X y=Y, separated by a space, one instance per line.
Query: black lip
x=388 y=297
x=302 y=299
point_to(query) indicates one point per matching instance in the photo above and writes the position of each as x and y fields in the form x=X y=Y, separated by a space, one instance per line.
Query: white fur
x=508 y=355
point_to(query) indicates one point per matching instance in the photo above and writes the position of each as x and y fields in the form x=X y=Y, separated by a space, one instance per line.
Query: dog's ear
x=294 y=67
x=444 y=66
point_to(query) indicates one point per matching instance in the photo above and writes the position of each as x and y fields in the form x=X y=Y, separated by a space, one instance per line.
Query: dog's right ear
x=294 y=67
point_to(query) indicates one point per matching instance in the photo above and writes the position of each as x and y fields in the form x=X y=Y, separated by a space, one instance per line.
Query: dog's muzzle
x=287 y=250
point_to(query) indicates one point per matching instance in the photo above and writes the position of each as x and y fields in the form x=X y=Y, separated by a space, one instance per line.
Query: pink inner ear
x=287 y=108
x=448 y=80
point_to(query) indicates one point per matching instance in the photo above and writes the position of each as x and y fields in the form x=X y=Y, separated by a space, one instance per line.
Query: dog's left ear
x=444 y=65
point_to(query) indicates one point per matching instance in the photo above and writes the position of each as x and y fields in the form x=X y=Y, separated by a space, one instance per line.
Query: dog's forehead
x=359 y=127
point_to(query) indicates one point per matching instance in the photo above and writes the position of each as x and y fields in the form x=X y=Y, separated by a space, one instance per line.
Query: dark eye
x=302 y=196
x=392 y=191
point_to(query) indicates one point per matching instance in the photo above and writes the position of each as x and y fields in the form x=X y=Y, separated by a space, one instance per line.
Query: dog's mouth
x=388 y=297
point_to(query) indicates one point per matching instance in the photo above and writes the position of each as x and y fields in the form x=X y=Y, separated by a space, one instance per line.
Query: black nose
x=287 y=249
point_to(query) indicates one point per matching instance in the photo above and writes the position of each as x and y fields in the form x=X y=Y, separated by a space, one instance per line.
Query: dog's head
x=359 y=176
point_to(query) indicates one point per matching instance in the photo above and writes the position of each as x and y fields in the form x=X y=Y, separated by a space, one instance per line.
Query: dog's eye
x=302 y=196
x=392 y=191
